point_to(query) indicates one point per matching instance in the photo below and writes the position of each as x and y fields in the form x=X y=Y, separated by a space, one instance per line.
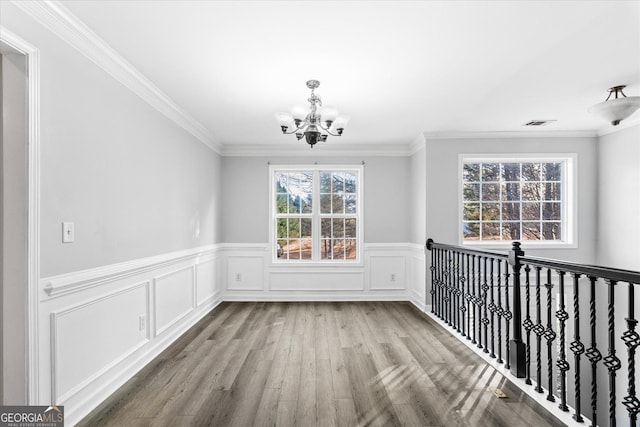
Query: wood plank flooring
x=318 y=364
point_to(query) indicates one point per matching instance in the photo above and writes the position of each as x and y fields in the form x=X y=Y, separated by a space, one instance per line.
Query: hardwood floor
x=318 y=364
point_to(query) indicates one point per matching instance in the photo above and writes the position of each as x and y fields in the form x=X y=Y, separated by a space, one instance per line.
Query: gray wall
x=618 y=242
x=134 y=183
x=442 y=186
x=418 y=181
x=387 y=196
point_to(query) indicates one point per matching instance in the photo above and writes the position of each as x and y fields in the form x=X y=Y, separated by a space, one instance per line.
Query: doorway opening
x=14 y=224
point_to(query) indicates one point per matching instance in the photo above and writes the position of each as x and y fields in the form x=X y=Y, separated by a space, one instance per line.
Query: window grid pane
x=336 y=214
x=512 y=201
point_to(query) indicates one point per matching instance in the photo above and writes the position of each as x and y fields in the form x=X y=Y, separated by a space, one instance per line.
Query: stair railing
x=528 y=313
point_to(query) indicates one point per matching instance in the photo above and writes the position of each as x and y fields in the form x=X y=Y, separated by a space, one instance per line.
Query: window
x=507 y=199
x=316 y=213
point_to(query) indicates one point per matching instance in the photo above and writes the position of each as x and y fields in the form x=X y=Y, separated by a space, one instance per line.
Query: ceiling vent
x=538 y=122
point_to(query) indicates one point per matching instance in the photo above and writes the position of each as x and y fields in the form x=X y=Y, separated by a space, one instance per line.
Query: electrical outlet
x=393 y=277
x=142 y=322
x=68 y=232
x=238 y=277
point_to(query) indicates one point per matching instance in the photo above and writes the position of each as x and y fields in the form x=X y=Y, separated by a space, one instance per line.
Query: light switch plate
x=68 y=232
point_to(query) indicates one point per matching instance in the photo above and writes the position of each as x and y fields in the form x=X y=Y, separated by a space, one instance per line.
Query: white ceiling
x=397 y=68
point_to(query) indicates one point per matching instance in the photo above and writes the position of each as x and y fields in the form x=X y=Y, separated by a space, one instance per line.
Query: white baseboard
x=313 y=296
x=418 y=300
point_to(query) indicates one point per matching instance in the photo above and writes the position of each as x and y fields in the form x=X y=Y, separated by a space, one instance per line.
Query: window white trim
x=316 y=261
x=569 y=191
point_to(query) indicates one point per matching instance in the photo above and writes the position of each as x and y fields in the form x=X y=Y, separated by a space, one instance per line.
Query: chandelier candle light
x=312 y=124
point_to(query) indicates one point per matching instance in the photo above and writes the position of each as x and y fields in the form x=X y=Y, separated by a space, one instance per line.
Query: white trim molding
x=63 y=284
x=389 y=271
x=56 y=394
x=568 y=201
x=328 y=150
x=418 y=144
x=530 y=134
x=33 y=227
x=134 y=309
x=61 y=22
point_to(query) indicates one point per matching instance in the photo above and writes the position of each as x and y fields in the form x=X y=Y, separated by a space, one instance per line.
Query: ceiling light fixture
x=617 y=109
x=310 y=123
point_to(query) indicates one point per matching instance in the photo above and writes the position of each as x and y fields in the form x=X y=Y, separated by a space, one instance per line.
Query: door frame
x=32 y=55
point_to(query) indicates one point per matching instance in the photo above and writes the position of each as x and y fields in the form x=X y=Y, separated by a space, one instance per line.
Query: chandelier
x=310 y=123
x=617 y=109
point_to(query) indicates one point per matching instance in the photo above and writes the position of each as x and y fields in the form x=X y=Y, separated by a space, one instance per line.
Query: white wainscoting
x=417 y=281
x=317 y=280
x=102 y=327
x=99 y=327
x=390 y=271
x=174 y=297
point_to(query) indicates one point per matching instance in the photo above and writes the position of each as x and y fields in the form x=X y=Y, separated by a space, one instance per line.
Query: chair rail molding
x=64 y=284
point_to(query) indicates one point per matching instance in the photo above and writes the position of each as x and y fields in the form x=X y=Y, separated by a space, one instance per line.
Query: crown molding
x=418 y=144
x=512 y=134
x=300 y=149
x=61 y=22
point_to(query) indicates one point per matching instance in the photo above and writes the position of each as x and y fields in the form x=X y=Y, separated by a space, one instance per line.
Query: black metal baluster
x=467 y=297
x=462 y=309
x=576 y=346
x=445 y=278
x=611 y=361
x=549 y=335
x=593 y=354
x=507 y=316
x=492 y=308
x=478 y=300
x=538 y=329
x=437 y=282
x=499 y=312
x=452 y=287
x=485 y=289
x=459 y=282
x=445 y=287
x=631 y=339
x=449 y=286
x=562 y=364
x=433 y=276
x=473 y=296
x=528 y=324
x=441 y=288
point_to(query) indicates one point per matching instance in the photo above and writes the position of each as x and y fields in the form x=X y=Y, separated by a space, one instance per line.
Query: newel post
x=517 y=348
x=432 y=291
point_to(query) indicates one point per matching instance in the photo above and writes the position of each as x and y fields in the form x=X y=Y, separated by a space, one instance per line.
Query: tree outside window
x=513 y=200
x=316 y=214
